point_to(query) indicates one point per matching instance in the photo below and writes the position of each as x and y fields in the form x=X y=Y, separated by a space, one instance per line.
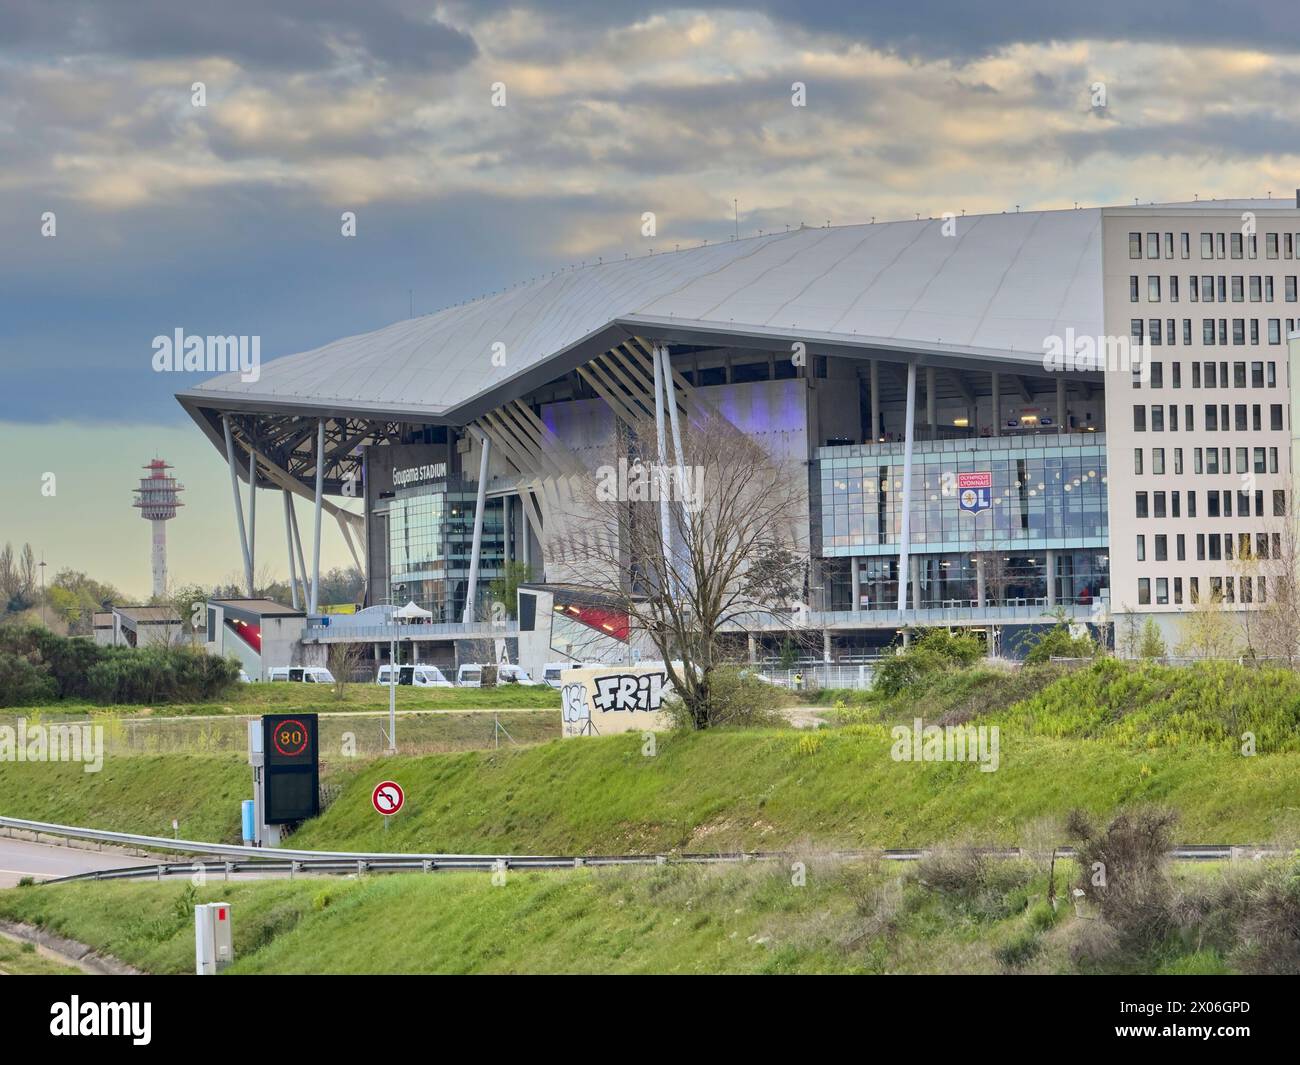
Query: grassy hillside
x=722 y=790
x=1141 y=705
x=141 y=794
x=950 y=916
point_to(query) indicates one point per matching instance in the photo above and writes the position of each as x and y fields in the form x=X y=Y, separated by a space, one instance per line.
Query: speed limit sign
x=387 y=798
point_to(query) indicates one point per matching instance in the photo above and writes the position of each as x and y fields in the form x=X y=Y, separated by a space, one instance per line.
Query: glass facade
x=430 y=539
x=1046 y=493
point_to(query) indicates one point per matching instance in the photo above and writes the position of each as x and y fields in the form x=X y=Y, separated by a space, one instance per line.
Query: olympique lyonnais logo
x=974 y=491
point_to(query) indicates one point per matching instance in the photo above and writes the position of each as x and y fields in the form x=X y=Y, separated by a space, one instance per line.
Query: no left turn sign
x=387 y=797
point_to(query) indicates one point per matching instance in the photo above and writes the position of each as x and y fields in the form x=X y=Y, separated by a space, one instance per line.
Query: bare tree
x=728 y=553
x=1271 y=621
x=1208 y=630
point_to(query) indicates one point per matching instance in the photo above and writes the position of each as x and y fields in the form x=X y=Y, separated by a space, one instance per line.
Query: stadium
x=877 y=364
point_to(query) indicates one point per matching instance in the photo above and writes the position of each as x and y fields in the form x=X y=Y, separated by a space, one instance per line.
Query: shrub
x=736 y=697
x=23 y=683
x=1124 y=873
x=932 y=652
x=1057 y=642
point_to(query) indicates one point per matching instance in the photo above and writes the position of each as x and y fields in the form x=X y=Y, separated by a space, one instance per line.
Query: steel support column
x=239 y=503
x=476 y=550
x=665 y=527
x=320 y=496
x=288 y=535
x=905 y=504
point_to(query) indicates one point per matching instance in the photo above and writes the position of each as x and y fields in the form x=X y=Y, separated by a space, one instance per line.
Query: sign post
x=291 y=775
x=387 y=799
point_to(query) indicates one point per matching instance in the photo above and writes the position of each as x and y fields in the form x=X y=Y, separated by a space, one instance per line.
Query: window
x=1185 y=240
x=1207 y=246
x=1137 y=461
x=1173 y=417
x=1218 y=246
x=1238 y=375
x=1157 y=460
x=1196 y=375
x=1207 y=338
x=1155 y=331
x=1180 y=547
x=1207 y=289
x=1256 y=288
x=1193 y=289
x=1270 y=245
x=1268 y=289
x=1279 y=503
x=1275 y=331
x=1275 y=416
x=1288 y=288
x=1177 y=368
x=1236 y=245
x=1178 y=591
x=1133 y=288
x=1153 y=288
x=1169 y=245
x=1187 y=330
x=1153 y=245
x=1211 y=418
x=1135 y=245
x=1200 y=547
x=1239 y=416
x=1139 y=418
x=1162 y=591
x=1162 y=547
x=1144 y=591
x=1157 y=370
x=1272 y=375
x=1256 y=375
x=1189 y=422
x=1239 y=330
x=1193 y=589
x=1157 y=419
x=1254 y=331
x=1160 y=507
x=1141 y=504
x=1173 y=288
x=1141 y=548
x=1178 y=461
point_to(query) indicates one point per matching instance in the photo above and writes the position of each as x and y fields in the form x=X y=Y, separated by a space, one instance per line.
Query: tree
x=344 y=660
x=505 y=588
x=1153 y=644
x=1128 y=638
x=190 y=604
x=1207 y=631
x=733 y=555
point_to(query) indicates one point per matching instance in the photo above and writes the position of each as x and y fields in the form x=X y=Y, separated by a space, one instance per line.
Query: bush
x=36 y=666
x=1057 y=642
x=1124 y=874
x=736 y=697
x=932 y=652
x=24 y=684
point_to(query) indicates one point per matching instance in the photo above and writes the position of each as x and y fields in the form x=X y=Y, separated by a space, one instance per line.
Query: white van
x=552 y=671
x=302 y=674
x=515 y=675
x=469 y=676
x=417 y=676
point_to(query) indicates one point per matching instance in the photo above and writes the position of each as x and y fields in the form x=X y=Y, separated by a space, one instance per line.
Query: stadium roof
x=990 y=293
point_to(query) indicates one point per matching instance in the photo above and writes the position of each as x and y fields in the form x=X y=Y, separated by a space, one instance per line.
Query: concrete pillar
x=916 y=583
x=855 y=574
x=980 y=584
x=1050 y=566
x=1061 y=427
x=875 y=401
x=753 y=649
x=239 y=504
x=931 y=401
x=997 y=405
x=905 y=503
x=826 y=645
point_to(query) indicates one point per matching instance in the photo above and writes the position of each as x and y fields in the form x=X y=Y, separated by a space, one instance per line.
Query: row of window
x=1222 y=589
x=1213 y=547
x=1202 y=289
x=1214 y=375
x=1206 y=460
x=1157 y=332
x=1216 y=418
x=1215 y=245
x=1218 y=504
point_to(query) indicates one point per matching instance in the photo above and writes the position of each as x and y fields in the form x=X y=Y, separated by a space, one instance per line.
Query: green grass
x=845 y=917
x=1141 y=705
x=18 y=958
x=285 y=697
x=767 y=789
x=140 y=794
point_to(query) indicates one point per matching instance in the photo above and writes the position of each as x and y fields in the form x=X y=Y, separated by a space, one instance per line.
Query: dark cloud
x=282 y=35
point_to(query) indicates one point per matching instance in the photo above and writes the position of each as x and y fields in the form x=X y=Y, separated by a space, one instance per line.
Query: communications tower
x=157 y=501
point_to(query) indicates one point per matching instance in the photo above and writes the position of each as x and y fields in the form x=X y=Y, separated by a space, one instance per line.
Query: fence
x=820 y=675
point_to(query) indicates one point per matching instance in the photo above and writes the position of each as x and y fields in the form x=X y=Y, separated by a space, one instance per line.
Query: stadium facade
x=863 y=359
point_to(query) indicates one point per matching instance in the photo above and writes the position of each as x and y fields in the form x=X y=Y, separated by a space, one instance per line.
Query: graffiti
x=573 y=704
x=630 y=691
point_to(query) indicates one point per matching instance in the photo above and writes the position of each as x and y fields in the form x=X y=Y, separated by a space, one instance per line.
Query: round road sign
x=387 y=797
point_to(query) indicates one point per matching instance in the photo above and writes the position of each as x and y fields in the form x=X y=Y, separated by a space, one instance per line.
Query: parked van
x=469 y=676
x=515 y=675
x=302 y=674
x=552 y=671
x=417 y=676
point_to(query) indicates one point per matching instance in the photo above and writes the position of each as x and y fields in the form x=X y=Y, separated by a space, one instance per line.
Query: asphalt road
x=19 y=858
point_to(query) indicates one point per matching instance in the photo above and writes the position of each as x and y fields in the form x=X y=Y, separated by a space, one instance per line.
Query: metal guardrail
x=258 y=859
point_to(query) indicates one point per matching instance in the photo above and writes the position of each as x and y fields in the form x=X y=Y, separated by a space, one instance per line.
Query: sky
x=219 y=210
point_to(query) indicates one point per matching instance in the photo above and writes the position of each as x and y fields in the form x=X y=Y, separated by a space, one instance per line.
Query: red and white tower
x=157 y=500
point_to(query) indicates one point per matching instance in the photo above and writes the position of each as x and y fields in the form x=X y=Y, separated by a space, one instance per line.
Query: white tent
x=411 y=612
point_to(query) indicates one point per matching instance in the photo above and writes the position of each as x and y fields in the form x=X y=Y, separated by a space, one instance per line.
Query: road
x=20 y=858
